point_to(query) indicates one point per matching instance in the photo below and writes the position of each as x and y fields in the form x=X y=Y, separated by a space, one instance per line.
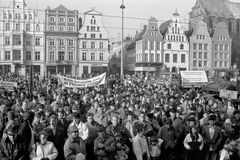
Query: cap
x=73 y=128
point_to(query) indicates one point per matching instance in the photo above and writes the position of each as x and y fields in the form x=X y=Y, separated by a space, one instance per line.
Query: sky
x=140 y=10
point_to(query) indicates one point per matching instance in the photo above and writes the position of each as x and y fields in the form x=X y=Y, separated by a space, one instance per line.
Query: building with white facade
x=61 y=32
x=149 y=48
x=21 y=40
x=176 y=45
x=93 y=44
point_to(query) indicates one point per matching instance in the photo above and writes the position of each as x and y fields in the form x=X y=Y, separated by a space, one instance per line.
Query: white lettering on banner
x=194 y=76
x=228 y=94
x=8 y=85
x=75 y=83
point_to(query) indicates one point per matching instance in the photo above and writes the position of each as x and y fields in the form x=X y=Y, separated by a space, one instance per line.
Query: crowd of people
x=128 y=118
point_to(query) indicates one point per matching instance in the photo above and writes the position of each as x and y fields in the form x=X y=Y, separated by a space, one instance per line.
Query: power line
x=109 y=16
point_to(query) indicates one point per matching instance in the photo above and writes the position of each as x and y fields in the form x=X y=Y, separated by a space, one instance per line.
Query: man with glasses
x=74 y=147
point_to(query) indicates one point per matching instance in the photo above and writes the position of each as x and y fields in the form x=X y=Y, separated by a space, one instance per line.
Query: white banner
x=8 y=85
x=228 y=94
x=75 y=83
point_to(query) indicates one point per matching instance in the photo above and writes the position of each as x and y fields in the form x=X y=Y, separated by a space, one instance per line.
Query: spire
x=176 y=13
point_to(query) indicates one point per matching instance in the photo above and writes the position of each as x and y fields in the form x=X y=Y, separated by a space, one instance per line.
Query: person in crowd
x=62 y=122
x=26 y=132
x=12 y=147
x=37 y=125
x=80 y=125
x=229 y=109
x=155 y=147
x=148 y=129
x=100 y=145
x=43 y=150
x=91 y=133
x=140 y=144
x=74 y=147
x=100 y=117
x=169 y=136
x=193 y=143
x=212 y=136
x=56 y=135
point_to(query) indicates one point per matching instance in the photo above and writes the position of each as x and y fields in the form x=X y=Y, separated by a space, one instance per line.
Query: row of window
x=16 y=40
x=200 y=55
x=152 y=45
x=145 y=58
x=17 y=55
x=200 y=46
x=93 y=45
x=220 y=47
x=61 y=56
x=221 y=38
x=201 y=37
x=169 y=46
x=61 y=19
x=92 y=28
x=93 y=56
x=61 y=42
x=221 y=56
x=93 y=36
x=175 y=38
x=18 y=27
x=17 y=16
x=61 y=28
x=200 y=63
x=221 y=63
x=175 y=58
x=175 y=29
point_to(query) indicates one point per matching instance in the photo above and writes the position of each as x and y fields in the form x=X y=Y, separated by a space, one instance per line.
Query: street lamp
x=122 y=7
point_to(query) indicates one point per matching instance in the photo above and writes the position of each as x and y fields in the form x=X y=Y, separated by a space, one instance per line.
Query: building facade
x=176 y=45
x=148 y=45
x=93 y=45
x=21 y=40
x=221 y=47
x=201 y=57
x=61 y=31
x=214 y=11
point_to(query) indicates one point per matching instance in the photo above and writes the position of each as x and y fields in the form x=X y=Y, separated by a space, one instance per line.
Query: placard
x=228 y=94
x=8 y=85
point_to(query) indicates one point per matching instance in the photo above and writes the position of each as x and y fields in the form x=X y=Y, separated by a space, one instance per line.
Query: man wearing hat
x=11 y=146
x=74 y=147
x=212 y=136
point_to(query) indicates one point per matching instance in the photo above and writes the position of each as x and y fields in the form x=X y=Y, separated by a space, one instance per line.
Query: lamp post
x=122 y=7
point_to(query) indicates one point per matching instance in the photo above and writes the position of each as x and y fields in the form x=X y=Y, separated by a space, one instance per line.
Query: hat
x=191 y=119
x=73 y=128
x=212 y=117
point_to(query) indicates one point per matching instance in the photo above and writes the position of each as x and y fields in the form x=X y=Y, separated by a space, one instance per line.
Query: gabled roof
x=94 y=12
x=218 y=8
x=164 y=27
x=61 y=8
x=137 y=37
